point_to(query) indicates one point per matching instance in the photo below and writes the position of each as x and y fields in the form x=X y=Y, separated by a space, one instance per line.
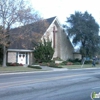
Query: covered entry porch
x=24 y=57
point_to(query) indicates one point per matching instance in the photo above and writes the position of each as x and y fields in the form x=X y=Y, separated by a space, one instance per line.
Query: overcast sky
x=63 y=8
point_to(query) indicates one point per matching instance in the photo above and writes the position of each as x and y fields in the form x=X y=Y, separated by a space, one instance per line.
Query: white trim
x=58 y=22
x=50 y=26
x=20 y=50
x=21 y=59
x=28 y=58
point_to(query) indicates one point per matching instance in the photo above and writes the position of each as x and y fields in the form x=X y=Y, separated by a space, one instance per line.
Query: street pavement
x=50 y=85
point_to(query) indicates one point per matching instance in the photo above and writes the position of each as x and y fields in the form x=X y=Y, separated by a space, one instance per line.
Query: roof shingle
x=20 y=37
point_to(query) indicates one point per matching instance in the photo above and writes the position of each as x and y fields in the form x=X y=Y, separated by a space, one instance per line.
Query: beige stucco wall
x=63 y=47
x=66 y=46
x=77 y=56
x=49 y=35
x=30 y=58
x=11 y=57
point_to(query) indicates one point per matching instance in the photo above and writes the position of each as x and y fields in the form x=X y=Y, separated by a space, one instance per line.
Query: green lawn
x=17 y=69
x=26 y=69
x=80 y=66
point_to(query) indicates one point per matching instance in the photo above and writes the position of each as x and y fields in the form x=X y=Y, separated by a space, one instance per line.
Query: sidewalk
x=52 y=69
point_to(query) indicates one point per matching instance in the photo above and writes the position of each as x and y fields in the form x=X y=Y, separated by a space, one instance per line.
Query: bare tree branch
x=16 y=13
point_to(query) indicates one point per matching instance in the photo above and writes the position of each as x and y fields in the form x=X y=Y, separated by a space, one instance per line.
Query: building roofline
x=20 y=50
x=52 y=23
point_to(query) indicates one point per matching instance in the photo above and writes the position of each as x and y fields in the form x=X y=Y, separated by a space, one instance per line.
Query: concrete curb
x=83 y=68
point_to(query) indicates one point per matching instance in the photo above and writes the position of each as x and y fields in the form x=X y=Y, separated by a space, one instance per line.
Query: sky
x=63 y=8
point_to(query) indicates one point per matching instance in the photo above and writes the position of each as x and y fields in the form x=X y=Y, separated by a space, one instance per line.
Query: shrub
x=64 y=63
x=14 y=64
x=77 y=63
x=34 y=66
x=76 y=60
x=43 y=64
x=20 y=64
x=0 y=61
x=88 y=62
x=57 y=58
x=69 y=63
x=70 y=60
x=44 y=51
x=54 y=65
x=8 y=64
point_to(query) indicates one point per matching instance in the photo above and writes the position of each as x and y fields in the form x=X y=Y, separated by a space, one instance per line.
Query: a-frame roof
x=33 y=30
x=50 y=20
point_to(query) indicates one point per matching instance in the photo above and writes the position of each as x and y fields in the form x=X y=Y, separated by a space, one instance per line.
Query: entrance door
x=22 y=58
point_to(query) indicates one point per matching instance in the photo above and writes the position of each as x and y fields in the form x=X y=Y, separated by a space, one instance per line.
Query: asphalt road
x=53 y=85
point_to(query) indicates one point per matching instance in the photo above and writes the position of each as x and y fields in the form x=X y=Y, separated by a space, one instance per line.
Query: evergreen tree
x=44 y=52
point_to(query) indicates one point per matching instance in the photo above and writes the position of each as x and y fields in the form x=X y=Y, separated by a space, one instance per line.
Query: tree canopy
x=14 y=13
x=84 y=30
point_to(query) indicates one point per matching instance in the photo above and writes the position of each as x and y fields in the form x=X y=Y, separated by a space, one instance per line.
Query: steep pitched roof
x=50 y=20
x=35 y=30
